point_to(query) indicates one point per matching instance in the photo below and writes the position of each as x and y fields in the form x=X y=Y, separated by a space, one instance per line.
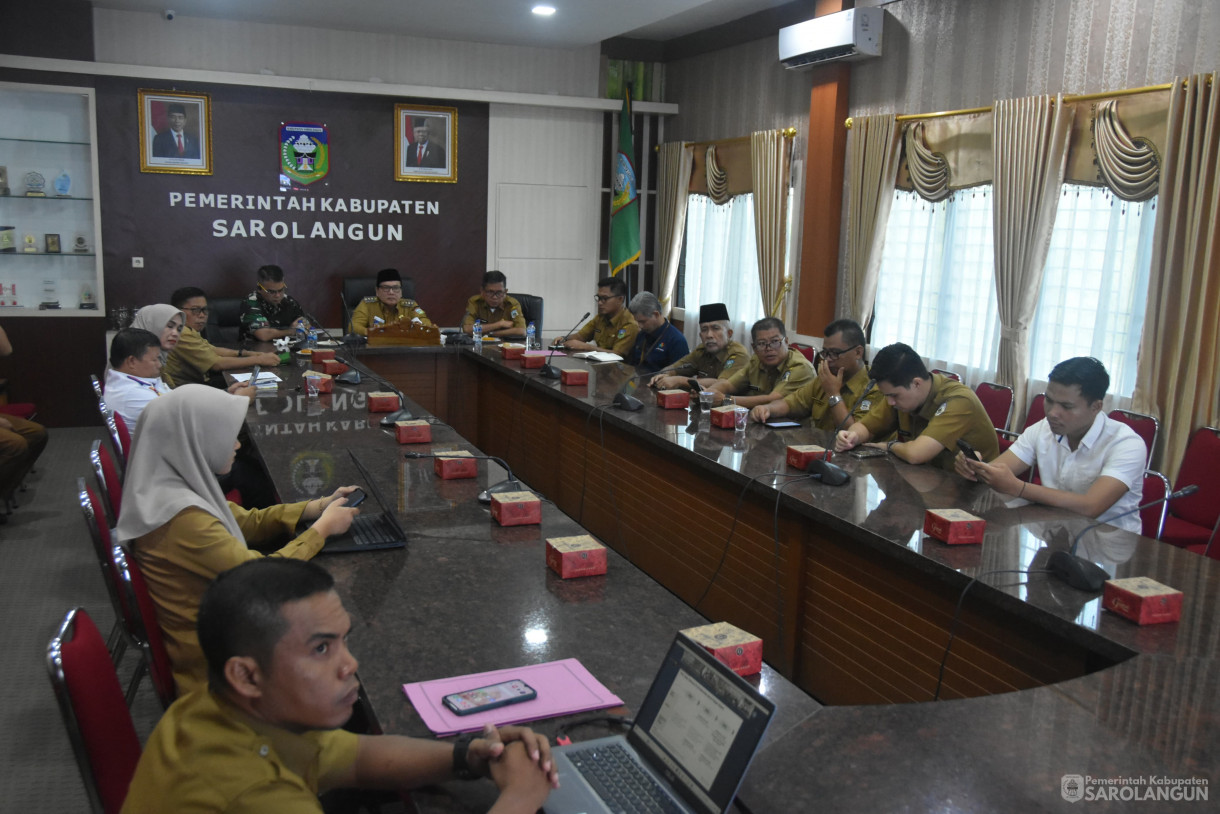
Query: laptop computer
x=688 y=750
x=368 y=532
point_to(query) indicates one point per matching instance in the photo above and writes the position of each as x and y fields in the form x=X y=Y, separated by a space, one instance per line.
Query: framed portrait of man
x=425 y=139
x=175 y=132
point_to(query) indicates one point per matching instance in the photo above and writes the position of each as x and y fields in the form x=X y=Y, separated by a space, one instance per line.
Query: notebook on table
x=368 y=532
x=688 y=750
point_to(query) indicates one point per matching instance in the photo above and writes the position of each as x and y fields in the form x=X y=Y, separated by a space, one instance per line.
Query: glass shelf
x=44 y=141
x=43 y=198
x=48 y=254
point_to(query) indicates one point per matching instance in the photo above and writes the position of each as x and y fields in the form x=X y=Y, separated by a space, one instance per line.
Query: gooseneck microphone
x=549 y=371
x=852 y=409
x=1089 y=576
x=352 y=376
x=509 y=484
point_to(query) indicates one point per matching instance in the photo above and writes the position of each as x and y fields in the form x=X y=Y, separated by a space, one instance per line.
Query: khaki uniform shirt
x=369 y=307
x=510 y=309
x=720 y=365
x=207 y=756
x=756 y=380
x=811 y=400
x=616 y=335
x=180 y=559
x=952 y=411
x=190 y=360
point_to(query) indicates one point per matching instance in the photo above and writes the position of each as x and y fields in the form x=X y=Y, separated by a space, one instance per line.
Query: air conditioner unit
x=845 y=36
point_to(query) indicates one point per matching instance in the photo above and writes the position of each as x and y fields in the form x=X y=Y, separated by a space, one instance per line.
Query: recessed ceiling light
x=543 y=11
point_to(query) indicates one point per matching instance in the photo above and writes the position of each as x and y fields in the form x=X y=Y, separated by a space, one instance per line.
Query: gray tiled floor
x=48 y=568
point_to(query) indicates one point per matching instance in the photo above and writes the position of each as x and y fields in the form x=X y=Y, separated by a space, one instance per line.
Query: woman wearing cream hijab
x=178 y=524
x=166 y=322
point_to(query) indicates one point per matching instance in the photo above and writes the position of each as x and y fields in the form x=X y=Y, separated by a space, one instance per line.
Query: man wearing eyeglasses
x=717 y=357
x=927 y=411
x=500 y=314
x=389 y=305
x=773 y=372
x=838 y=387
x=613 y=329
x=269 y=313
x=194 y=359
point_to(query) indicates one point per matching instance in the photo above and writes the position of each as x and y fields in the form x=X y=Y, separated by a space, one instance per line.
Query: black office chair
x=354 y=289
x=224 y=320
x=531 y=306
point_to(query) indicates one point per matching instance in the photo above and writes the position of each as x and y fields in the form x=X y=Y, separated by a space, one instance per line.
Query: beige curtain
x=1129 y=166
x=873 y=156
x=929 y=170
x=1179 y=358
x=1029 y=153
x=769 y=156
x=673 y=180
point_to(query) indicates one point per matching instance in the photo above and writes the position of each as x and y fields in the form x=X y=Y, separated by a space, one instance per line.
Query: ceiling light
x=543 y=11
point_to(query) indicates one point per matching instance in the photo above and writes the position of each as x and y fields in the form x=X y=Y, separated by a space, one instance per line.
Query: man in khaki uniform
x=717 y=357
x=195 y=359
x=839 y=386
x=613 y=329
x=388 y=306
x=500 y=314
x=774 y=371
x=929 y=412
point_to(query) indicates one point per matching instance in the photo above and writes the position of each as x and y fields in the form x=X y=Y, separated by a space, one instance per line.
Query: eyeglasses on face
x=606 y=297
x=493 y=294
x=198 y=310
x=387 y=288
x=771 y=344
x=833 y=354
x=281 y=290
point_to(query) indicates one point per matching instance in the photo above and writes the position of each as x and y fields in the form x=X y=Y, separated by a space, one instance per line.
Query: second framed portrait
x=175 y=132
x=425 y=139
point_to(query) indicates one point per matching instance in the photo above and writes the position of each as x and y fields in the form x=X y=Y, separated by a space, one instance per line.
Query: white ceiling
x=576 y=22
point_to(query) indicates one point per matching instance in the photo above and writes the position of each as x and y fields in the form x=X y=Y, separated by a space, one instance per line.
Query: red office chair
x=90 y=700
x=21 y=409
x=1145 y=427
x=123 y=434
x=97 y=386
x=1037 y=412
x=806 y=350
x=948 y=374
x=108 y=483
x=1190 y=519
x=1152 y=519
x=143 y=615
x=997 y=401
x=99 y=533
x=118 y=443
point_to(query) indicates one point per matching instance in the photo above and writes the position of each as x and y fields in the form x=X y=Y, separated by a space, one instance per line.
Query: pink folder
x=563 y=687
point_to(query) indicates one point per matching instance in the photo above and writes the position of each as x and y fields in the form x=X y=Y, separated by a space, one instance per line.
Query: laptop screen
x=700 y=725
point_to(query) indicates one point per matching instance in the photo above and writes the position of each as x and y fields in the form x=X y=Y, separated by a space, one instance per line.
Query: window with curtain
x=1094 y=286
x=936 y=290
x=721 y=259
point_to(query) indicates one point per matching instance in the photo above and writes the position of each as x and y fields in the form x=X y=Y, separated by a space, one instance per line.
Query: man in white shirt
x=1088 y=462
x=134 y=378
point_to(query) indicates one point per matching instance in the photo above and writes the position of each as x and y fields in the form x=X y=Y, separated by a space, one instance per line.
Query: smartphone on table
x=481 y=699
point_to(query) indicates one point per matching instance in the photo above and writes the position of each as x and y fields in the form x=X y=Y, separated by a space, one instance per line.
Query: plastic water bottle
x=531 y=337
x=313 y=337
x=477 y=332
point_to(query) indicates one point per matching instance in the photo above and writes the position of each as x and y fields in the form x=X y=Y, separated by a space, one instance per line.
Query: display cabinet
x=50 y=235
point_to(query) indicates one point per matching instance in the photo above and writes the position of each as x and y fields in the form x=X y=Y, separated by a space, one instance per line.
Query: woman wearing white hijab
x=180 y=527
x=166 y=322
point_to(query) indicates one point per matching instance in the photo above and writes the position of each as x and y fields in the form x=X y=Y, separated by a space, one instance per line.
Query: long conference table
x=855 y=605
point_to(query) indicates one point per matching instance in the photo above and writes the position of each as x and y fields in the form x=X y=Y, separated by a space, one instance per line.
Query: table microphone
x=1089 y=576
x=509 y=484
x=852 y=409
x=549 y=371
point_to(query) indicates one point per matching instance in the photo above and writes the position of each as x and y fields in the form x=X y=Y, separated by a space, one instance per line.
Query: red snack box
x=579 y=556
x=332 y=367
x=323 y=380
x=953 y=526
x=799 y=455
x=740 y=650
x=673 y=399
x=455 y=465
x=413 y=432
x=516 y=508
x=319 y=355
x=536 y=359
x=383 y=402
x=512 y=350
x=574 y=376
x=722 y=416
x=1142 y=600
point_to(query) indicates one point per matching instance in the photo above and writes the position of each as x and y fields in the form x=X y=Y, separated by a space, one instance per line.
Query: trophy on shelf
x=30 y=245
x=63 y=185
x=35 y=183
x=87 y=301
x=50 y=296
x=8 y=239
x=3 y=181
x=8 y=295
x=52 y=243
x=80 y=245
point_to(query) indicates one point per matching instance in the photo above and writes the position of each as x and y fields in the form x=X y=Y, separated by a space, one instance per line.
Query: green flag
x=624 y=208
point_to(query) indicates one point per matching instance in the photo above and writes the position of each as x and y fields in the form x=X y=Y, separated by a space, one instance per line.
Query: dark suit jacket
x=434 y=155
x=164 y=146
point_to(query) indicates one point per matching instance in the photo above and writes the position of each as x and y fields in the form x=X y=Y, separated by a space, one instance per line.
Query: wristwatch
x=835 y=401
x=461 y=768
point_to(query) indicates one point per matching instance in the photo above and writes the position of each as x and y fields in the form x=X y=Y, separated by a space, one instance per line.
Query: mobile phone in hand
x=355 y=498
x=254 y=375
x=968 y=450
